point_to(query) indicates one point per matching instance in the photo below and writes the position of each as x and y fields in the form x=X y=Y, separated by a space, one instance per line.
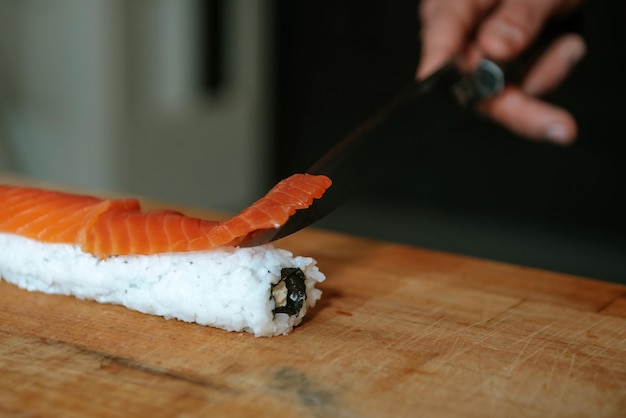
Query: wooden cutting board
x=400 y=331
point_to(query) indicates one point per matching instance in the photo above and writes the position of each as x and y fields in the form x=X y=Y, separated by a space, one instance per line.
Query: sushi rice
x=229 y=287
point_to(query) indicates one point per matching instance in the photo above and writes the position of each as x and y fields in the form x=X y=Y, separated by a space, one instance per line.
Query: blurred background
x=209 y=103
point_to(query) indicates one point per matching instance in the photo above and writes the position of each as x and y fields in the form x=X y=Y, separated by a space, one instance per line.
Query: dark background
x=470 y=187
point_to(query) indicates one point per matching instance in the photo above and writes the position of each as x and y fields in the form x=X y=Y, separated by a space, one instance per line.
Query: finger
x=446 y=25
x=531 y=117
x=554 y=65
x=514 y=24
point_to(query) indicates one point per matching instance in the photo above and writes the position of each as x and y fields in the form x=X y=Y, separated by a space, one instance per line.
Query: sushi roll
x=162 y=262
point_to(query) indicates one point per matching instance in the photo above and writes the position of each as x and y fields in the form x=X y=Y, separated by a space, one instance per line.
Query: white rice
x=228 y=288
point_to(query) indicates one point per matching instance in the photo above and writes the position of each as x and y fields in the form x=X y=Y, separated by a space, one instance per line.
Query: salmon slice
x=52 y=216
x=119 y=227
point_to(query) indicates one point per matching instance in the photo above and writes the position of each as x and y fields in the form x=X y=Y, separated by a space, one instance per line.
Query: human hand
x=503 y=30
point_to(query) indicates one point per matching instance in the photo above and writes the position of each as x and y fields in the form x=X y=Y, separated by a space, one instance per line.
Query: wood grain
x=400 y=331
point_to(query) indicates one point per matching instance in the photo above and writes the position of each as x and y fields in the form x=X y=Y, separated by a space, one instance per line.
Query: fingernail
x=577 y=54
x=557 y=134
x=509 y=32
x=503 y=36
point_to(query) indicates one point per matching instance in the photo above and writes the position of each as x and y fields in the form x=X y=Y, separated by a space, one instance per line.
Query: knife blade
x=447 y=87
x=453 y=90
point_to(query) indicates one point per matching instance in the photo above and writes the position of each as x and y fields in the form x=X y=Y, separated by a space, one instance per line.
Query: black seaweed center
x=296 y=290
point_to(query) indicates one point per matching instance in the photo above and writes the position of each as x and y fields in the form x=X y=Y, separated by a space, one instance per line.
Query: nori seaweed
x=296 y=290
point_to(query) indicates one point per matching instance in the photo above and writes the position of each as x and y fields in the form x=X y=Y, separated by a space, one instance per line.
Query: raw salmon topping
x=119 y=226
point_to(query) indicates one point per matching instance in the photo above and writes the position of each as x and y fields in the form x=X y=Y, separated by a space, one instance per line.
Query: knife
x=448 y=88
